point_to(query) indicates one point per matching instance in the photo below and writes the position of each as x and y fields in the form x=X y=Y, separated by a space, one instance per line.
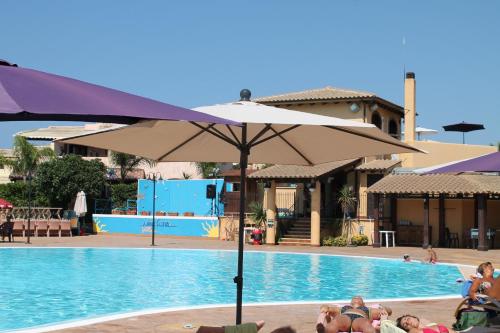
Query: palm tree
x=128 y=163
x=208 y=169
x=347 y=201
x=26 y=157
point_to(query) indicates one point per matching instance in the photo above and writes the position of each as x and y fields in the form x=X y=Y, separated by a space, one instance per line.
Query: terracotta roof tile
x=326 y=93
x=437 y=184
x=381 y=165
x=298 y=171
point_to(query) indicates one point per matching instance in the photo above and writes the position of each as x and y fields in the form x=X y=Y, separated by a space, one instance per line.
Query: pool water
x=43 y=286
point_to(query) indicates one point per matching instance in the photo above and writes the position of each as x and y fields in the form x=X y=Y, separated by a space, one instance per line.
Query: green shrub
x=339 y=241
x=359 y=240
x=17 y=194
x=121 y=192
x=328 y=241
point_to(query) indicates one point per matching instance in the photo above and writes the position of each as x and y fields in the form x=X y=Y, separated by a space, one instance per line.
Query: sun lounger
x=54 y=228
x=65 y=226
x=18 y=229
x=32 y=227
x=42 y=227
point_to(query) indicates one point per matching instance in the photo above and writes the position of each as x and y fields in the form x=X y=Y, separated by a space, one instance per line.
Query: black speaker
x=211 y=191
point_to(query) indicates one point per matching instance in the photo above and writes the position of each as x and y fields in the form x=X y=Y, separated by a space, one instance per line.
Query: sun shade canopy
x=274 y=135
x=27 y=94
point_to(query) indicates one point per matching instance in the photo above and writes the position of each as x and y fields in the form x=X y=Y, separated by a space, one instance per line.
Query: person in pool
x=355 y=317
x=411 y=324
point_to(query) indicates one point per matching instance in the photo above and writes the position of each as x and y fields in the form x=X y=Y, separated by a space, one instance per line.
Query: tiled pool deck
x=301 y=317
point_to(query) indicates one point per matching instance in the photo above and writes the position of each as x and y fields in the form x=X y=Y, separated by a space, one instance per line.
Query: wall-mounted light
x=354 y=107
x=374 y=107
x=311 y=187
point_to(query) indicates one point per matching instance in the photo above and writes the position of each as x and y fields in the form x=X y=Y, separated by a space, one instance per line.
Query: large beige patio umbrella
x=267 y=135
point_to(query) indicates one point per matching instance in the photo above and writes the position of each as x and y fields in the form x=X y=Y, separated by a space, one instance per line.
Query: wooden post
x=481 y=218
x=376 y=217
x=316 y=215
x=394 y=213
x=442 y=222
x=271 y=214
x=425 y=243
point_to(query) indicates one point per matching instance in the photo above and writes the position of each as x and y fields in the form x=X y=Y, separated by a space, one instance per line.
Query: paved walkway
x=301 y=317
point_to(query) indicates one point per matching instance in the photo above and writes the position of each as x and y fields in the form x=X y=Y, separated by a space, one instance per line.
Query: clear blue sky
x=193 y=53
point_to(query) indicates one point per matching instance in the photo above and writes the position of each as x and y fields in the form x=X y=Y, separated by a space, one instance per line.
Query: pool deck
x=301 y=317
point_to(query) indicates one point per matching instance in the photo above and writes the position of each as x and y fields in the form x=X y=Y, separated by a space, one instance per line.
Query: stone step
x=295 y=239
x=298 y=232
x=300 y=228
x=295 y=242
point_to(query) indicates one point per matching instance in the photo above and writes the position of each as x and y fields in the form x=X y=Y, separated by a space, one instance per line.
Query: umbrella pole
x=463 y=138
x=154 y=212
x=244 y=152
x=29 y=207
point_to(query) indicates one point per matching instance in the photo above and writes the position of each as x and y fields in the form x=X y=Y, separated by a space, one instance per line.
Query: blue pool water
x=43 y=286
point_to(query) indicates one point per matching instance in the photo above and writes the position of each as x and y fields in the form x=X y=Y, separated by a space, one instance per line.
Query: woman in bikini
x=355 y=317
x=411 y=324
x=481 y=285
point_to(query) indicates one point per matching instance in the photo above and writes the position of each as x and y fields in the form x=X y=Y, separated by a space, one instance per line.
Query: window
x=393 y=128
x=236 y=187
x=377 y=120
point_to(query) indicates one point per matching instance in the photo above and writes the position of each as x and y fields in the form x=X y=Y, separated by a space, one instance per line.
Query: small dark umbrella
x=463 y=127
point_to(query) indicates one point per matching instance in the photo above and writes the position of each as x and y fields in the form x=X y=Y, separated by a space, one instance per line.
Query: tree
x=26 y=157
x=61 y=179
x=128 y=163
x=347 y=202
x=209 y=169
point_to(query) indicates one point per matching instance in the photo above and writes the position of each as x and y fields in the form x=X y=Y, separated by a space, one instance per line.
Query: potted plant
x=131 y=212
x=188 y=214
x=173 y=214
x=258 y=216
x=347 y=202
x=145 y=213
x=160 y=213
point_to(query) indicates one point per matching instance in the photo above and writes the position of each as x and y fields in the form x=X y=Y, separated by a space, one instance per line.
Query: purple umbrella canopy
x=27 y=94
x=485 y=163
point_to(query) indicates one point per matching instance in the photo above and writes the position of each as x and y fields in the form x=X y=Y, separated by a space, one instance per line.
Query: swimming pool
x=42 y=286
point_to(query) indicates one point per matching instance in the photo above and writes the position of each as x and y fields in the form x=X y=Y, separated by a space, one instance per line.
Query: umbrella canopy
x=27 y=94
x=80 y=204
x=267 y=135
x=424 y=131
x=5 y=204
x=274 y=135
x=485 y=163
x=464 y=128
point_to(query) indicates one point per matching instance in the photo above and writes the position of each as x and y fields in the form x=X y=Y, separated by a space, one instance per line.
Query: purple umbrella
x=485 y=163
x=27 y=94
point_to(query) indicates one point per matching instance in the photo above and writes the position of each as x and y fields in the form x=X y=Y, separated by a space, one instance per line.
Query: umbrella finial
x=245 y=95
x=6 y=63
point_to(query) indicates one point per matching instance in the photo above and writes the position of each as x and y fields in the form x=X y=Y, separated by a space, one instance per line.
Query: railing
x=37 y=213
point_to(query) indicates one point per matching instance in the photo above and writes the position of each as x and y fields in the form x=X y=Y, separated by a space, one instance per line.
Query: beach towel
x=389 y=326
x=243 y=328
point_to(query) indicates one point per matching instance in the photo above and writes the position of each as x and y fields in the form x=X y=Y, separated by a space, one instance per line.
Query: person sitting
x=482 y=284
x=353 y=317
x=431 y=255
x=412 y=324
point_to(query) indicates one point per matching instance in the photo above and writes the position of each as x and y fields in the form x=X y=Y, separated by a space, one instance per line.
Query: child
x=406 y=258
x=431 y=255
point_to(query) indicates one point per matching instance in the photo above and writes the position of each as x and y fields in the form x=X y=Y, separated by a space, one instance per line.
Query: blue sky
x=193 y=53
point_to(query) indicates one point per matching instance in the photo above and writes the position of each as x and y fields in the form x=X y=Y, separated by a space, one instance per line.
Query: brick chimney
x=410 y=107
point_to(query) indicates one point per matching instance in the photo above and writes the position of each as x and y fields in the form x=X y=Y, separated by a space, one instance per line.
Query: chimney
x=410 y=107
